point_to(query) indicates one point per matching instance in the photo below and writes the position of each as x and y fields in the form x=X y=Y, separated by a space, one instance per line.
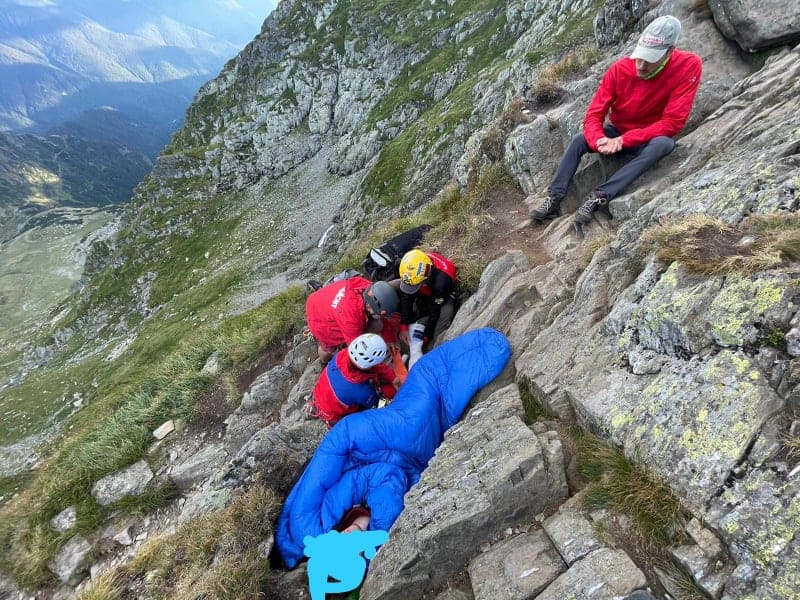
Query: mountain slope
x=40 y=173
x=353 y=115
x=50 y=51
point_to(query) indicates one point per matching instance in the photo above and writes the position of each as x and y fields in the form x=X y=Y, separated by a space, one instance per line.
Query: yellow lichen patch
x=770 y=541
x=741 y=364
x=721 y=427
x=742 y=300
x=621 y=420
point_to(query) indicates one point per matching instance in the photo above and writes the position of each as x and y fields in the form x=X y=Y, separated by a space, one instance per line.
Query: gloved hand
x=417 y=335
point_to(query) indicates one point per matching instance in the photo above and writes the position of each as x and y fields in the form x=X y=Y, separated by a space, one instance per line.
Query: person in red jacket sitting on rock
x=353 y=380
x=647 y=99
x=341 y=311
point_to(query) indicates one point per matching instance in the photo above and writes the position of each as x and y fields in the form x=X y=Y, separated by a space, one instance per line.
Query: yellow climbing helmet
x=415 y=267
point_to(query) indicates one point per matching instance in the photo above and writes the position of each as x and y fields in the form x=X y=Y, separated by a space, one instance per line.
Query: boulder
x=615 y=18
x=266 y=392
x=71 y=560
x=199 y=466
x=65 y=520
x=572 y=533
x=490 y=473
x=516 y=569
x=204 y=500
x=164 y=429
x=128 y=482
x=758 y=518
x=605 y=574
x=278 y=453
x=756 y=25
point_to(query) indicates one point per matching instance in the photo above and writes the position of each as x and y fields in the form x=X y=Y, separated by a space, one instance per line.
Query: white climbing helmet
x=367 y=350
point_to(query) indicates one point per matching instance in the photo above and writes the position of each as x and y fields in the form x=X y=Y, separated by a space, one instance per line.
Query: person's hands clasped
x=607 y=145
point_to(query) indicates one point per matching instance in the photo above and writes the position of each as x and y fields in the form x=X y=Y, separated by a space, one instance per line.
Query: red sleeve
x=598 y=108
x=383 y=372
x=676 y=112
x=384 y=375
x=391 y=327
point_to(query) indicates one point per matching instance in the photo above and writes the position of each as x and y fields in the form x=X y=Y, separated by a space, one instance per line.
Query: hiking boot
x=584 y=214
x=550 y=208
x=313 y=285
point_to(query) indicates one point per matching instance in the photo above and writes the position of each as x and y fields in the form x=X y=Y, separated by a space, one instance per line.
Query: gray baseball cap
x=657 y=38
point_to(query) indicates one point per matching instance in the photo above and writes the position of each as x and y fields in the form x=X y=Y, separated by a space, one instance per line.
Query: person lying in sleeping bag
x=372 y=458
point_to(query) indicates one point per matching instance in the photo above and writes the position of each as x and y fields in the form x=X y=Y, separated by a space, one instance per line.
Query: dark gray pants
x=642 y=158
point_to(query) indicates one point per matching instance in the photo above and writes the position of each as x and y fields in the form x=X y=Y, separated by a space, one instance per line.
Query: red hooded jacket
x=642 y=109
x=336 y=314
x=343 y=388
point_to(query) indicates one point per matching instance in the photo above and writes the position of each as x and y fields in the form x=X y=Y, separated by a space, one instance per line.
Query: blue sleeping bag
x=374 y=457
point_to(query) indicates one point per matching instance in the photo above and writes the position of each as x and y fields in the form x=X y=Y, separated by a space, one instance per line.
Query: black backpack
x=382 y=262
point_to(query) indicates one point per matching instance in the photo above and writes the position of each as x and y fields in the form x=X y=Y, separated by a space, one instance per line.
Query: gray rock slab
x=793 y=341
x=240 y=427
x=516 y=569
x=757 y=24
x=758 y=517
x=705 y=538
x=692 y=423
x=71 y=560
x=605 y=574
x=293 y=409
x=278 y=452
x=198 y=467
x=164 y=429
x=490 y=473
x=572 y=534
x=128 y=482
x=203 y=501
x=65 y=520
x=267 y=391
x=480 y=309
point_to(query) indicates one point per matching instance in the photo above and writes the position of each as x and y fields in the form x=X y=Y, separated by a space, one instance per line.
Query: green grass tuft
x=708 y=246
x=617 y=484
x=535 y=408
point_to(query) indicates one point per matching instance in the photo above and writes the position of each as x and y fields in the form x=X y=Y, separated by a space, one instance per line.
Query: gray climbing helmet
x=381 y=299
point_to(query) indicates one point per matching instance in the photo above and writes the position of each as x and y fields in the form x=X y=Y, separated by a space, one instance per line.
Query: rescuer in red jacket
x=341 y=311
x=353 y=380
x=647 y=99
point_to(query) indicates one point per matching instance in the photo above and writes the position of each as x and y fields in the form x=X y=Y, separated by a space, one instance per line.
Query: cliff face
x=347 y=114
x=338 y=113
